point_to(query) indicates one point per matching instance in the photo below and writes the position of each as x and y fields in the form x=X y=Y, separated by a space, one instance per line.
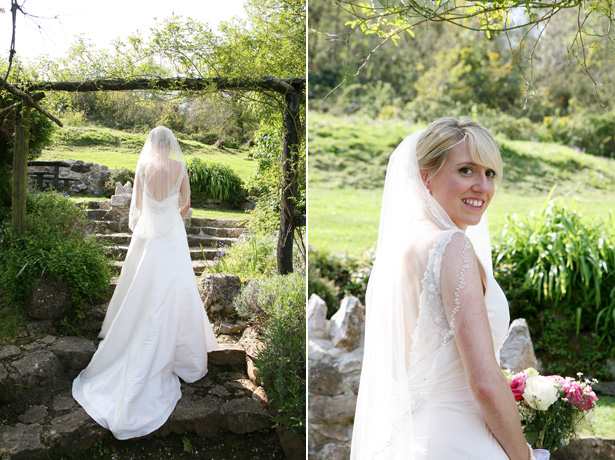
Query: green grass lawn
x=604 y=421
x=347 y=163
x=117 y=149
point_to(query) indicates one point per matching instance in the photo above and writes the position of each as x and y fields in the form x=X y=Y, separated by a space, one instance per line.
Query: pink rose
x=589 y=398
x=558 y=379
x=517 y=385
x=574 y=394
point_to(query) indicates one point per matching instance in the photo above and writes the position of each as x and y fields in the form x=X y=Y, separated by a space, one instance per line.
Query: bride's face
x=463 y=188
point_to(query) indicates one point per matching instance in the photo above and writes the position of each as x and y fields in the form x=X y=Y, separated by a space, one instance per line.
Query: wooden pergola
x=293 y=91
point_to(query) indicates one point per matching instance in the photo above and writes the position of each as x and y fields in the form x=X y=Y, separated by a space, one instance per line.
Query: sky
x=100 y=21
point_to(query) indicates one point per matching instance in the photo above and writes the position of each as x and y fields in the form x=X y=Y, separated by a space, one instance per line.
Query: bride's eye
x=465 y=170
x=491 y=174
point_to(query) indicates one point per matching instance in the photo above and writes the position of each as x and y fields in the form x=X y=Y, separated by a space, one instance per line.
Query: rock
x=251 y=342
x=229 y=328
x=334 y=452
x=346 y=324
x=62 y=403
x=517 y=351
x=34 y=414
x=219 y=391
x=352 y=382
x=51 y=299
x=252 y=370
x=22 y=442
x=74 y=352
x=201 y=415
x=74 y=432
x=120 y=201
x=317 y=318
x=219 y=144
x=9 y=351
x=260 y=396
x=38 y=368
x=217 y=293
x=228 y=353
x=334 y=431
x=245 y=415
x=605 y=388
x=80 y=167
x=325 y=379
x=320 y=350
x=333 y=409
x=351 y=362
x=591 y=448
x=293 y=444
x=41 y=327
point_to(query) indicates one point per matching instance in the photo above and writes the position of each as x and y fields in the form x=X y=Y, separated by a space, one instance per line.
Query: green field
x=117 y=149
x=347 y=164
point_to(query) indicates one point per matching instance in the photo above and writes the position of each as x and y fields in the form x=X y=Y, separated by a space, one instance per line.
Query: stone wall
x=335 y=356
x=89 y=178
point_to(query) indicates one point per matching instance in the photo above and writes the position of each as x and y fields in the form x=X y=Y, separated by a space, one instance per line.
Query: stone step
x=102 y=204
x=48 y=419
x=193 y=240
x=95 y=214
x=198 y=266
x=105 y=226
x=196 y=253
x=224 y=232
x=226 y=223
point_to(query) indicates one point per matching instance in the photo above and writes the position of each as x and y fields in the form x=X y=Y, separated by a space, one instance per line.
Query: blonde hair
x=442 y=135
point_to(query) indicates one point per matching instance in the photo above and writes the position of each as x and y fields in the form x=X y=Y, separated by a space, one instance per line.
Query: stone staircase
x=205 y=236
x=39 y=416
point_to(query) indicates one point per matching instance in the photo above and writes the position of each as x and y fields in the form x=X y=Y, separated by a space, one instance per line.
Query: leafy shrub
x=339 y=275
x=55 y=241
x=278 y=303
x=557 y=261
x=590 y=132
x=215 y=180
x=122 y=175
x=254 y=256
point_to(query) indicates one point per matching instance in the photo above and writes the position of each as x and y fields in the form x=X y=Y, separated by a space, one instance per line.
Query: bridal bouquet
x=553 y=409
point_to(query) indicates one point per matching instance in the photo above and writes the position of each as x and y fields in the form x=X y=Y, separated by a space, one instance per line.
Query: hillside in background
x=116 y=149
x=347 y=164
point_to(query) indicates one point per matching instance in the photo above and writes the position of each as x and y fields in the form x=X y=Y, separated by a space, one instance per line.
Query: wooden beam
x=20 y=173
x=290 y=162
x=279 y=85
x=28 y=100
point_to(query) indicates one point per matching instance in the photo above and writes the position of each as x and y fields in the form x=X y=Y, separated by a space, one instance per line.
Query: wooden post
x=20 y=172
x=290 y=164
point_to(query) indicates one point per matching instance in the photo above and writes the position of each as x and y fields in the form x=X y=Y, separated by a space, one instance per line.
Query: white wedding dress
x=449 y=424
x=156 y=330
x=414 y=400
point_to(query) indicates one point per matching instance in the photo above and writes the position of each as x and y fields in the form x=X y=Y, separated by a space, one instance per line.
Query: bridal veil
x=406 y=330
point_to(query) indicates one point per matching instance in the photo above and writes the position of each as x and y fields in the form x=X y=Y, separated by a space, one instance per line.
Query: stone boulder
x=317 y=317
x=51 y=299
x=201 y=415
x=74 y=352
x=347 y=324
x=591 y=448
x=517 y=351
x=38 y=368
x=325 y=379
x=245 y=415
x=74 y=432
x=217 y=293
x=22 y=442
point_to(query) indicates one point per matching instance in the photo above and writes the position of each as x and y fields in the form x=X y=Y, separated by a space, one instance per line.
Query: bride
x=156 y=329
x=431 y=386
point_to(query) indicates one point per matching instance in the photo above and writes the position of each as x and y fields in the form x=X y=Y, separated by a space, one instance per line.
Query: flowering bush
x=553 y=409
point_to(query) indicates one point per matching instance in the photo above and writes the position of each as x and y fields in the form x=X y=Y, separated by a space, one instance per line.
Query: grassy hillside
x=347 y=165
x=117 y=149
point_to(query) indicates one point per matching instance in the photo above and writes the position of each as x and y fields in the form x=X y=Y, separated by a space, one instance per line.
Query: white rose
x=540 y=392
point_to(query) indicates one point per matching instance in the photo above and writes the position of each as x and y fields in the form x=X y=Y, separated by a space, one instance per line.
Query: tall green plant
x=215 y=180
x=559 y=260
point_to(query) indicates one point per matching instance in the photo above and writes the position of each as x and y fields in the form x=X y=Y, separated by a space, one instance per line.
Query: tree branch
x=27 y=99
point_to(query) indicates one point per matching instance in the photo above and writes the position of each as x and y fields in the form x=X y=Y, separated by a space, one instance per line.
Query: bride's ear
x=425 y=178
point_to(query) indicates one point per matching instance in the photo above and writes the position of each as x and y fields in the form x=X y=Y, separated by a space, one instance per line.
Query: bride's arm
x=475 y=345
